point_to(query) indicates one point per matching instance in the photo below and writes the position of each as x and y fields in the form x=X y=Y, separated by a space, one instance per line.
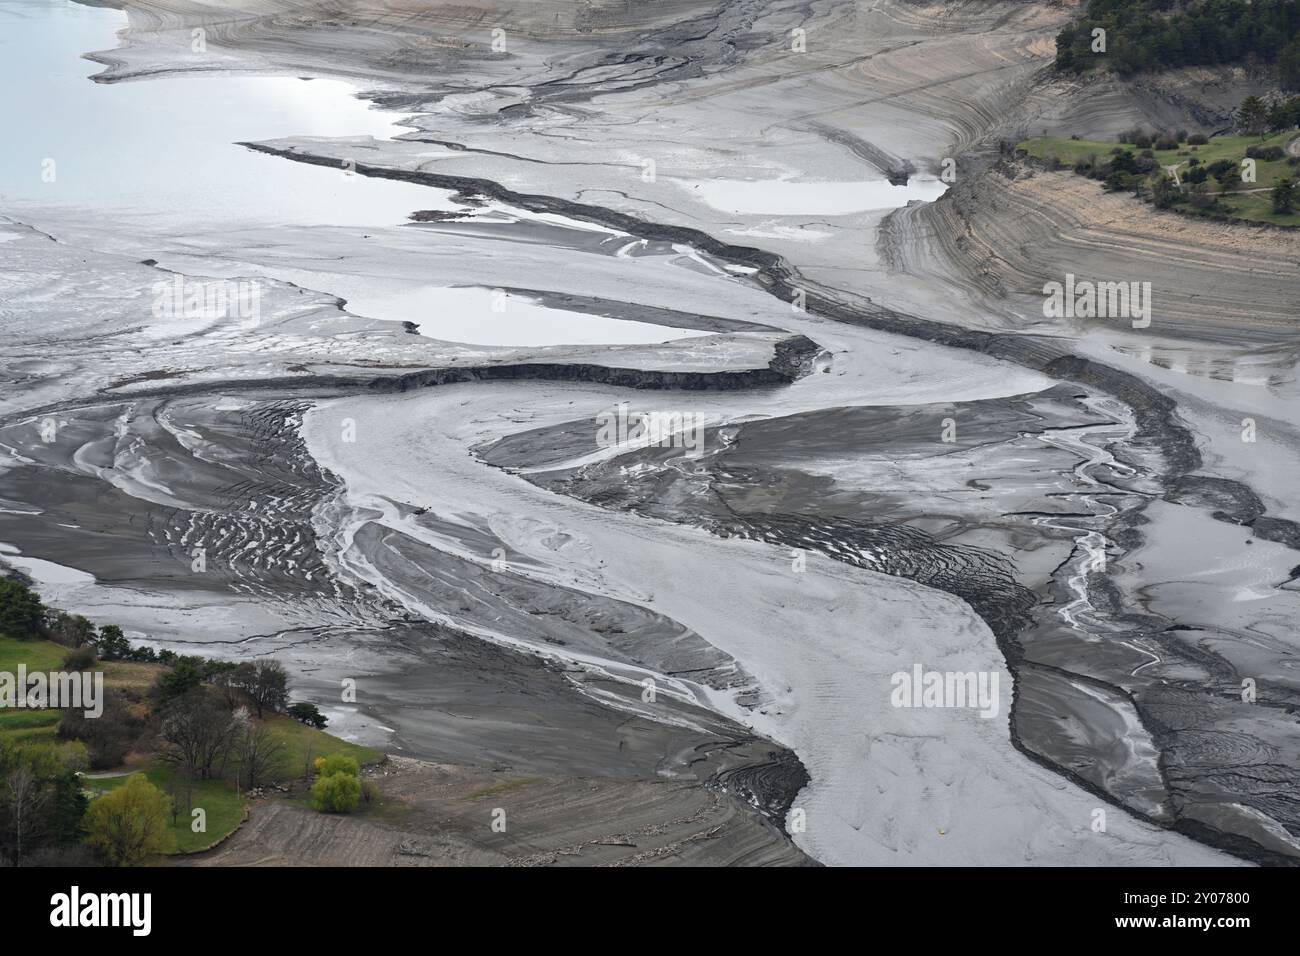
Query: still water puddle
x=782 y=197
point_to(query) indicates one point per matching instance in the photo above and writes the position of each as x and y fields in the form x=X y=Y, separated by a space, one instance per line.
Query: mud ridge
x=793 y=359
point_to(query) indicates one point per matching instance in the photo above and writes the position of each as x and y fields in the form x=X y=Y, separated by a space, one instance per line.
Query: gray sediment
x=1158 y=427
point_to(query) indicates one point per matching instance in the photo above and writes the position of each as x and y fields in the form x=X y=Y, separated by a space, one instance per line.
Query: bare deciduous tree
x=259 y=751
x=24 y=798
x=200 y=732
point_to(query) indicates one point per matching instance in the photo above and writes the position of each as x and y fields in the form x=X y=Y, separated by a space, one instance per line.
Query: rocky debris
x=414 y=848
x=271 y=790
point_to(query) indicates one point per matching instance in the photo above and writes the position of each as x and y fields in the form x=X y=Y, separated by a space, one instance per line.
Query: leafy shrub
x=80 y=659
x=1266 y=154
x=336 y=793
x=130 y=824
x=1201 y=198
x=337 y=763
x=308 y=714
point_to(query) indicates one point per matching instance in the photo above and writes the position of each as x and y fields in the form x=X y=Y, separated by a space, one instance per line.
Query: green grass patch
x=1258 y=207
x=36 y=655
x=1249 y=202
x=14 y=720
x=19 y=726
x=45 y=656
x=303 y=744
x=224 y=808
x=1071 y=151
x=30 y=727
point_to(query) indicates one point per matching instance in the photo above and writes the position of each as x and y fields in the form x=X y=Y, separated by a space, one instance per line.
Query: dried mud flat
x=438 y=520
x=433 y=815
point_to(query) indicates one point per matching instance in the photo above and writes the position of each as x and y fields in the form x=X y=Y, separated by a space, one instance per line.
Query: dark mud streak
x=1234 y=503
x=770 y=786
x=1157 y=423
x=1233 y=843
x=897 y=171
x=793 y=359
x=1237 y=845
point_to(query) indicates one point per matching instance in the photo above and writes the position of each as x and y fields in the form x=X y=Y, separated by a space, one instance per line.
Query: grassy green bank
x=1223 y=198
x=221 y=801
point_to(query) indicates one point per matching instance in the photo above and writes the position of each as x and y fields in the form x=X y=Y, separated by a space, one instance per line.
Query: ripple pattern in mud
x=982 y=579
x=256 y=531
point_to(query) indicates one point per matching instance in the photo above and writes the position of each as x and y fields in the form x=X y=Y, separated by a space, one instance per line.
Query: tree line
x=1152 y=35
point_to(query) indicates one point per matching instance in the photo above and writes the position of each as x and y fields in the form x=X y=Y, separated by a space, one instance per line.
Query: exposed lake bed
x=396 y=474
